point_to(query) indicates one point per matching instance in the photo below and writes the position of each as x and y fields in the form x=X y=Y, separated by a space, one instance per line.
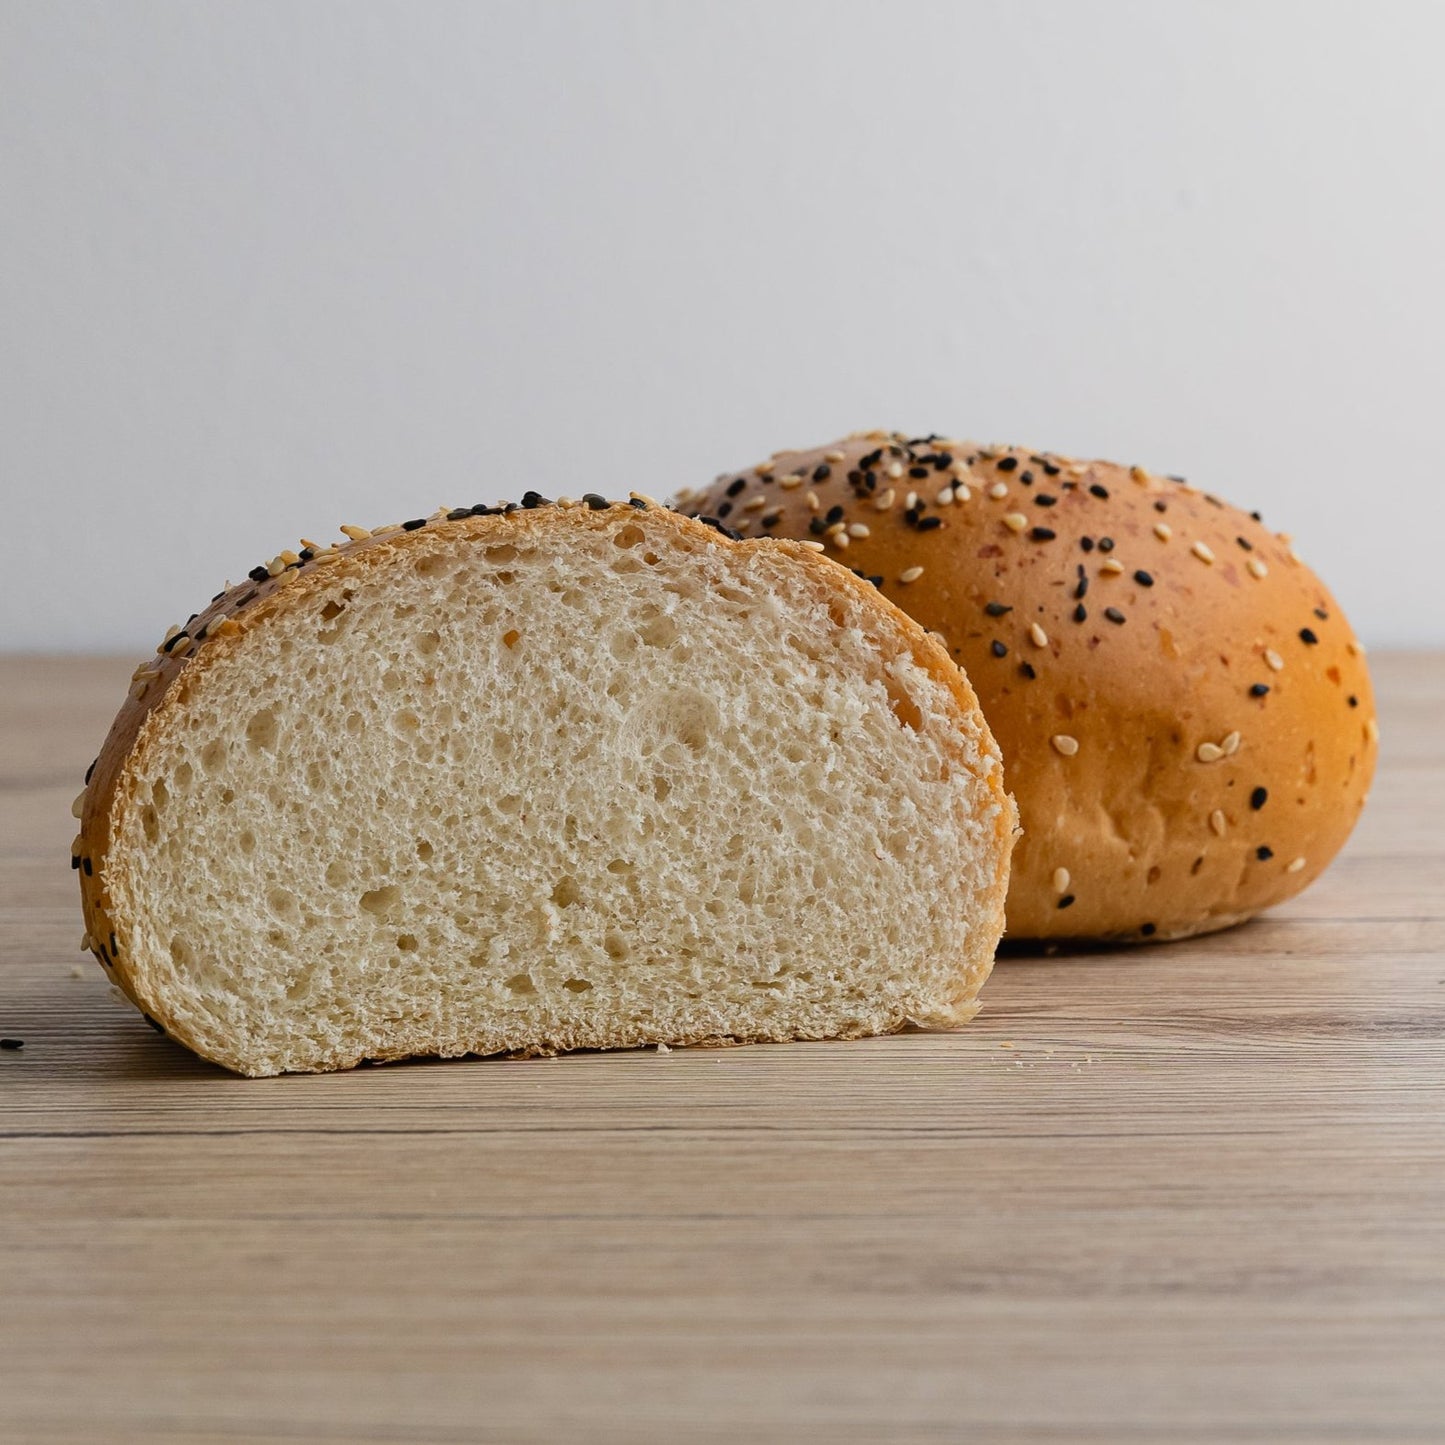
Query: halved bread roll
x=543 y=778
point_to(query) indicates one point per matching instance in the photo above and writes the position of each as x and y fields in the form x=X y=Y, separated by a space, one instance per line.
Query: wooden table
x=1193 y=1193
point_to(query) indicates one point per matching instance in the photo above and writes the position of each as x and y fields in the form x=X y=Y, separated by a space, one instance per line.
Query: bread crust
x=162 y=686
x=1117 y=626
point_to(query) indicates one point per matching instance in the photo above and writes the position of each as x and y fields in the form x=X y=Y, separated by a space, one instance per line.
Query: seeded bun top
x=1185 y=716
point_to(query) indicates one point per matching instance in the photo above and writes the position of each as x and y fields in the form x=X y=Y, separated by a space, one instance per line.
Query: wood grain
x=1194 y=1192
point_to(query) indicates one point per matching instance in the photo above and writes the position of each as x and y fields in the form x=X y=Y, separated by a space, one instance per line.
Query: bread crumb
x=663 y=1049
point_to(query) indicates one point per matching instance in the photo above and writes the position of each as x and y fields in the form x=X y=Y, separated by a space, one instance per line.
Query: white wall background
x=269 y=267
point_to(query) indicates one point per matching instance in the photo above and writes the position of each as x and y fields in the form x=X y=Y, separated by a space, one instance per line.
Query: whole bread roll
x=1185 y=716
x=522 y=779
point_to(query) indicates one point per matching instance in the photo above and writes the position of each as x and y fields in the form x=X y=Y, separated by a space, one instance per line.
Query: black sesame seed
x=877 y=582
x=455 y=515
x=1143 y=578
x=998 y=649
x=90 y=772
x=1256 y=516
x=1027 y=668
x=1095 y=490
x=919 y=474
x=822 y=472
x=89 y=868
x=1007 y=464
x=724 y=508
x=258 y=574
x=1259 y=689
x=929 y=523
x=1114 y=615
x=833 y=516
x=734 y=487
x=1306 y=634
x=531 y=500
x=1353 y=700
x=771 y=520
x=912 y=515
x=1086 y=543
x=1322 y=614
x=1027 y=478
x=599 y=503
x=1081 y=613
x=12 y=1045
x=1050 y=470
x=1245 y=543
x=1039 y=534
x=722 y=527
x=75 y=860
x=1161 y=506
x=415 y=524
x=996 y=609
x=1264 y=853
x=1258 y=798
x=816 y=527
x=1148 y=930
x=1067 y=901
x=166 y=647
x=1106 y=544
x=1044 y=500
x=1082 y=589
x=639 y=505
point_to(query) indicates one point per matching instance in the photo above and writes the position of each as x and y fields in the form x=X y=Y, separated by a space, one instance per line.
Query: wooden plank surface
x=1193 y=1192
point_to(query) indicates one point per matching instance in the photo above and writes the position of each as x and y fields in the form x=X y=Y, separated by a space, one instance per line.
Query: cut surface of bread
x=551 y=779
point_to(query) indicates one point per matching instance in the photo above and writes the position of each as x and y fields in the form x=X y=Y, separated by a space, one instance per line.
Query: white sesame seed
x=814 y=502
x=1355 y=647
x=1061 y=880
x=78 y=806
x=1163 y=531
x=944 y=498
x=1372 y=730
x=1209 y=752
x=755 y=504
x=883 y=500
x=1274 y=660
x=1230 y=744
x=1139 y=475
x=764 y=469
x=1038 y=635
x=910 y=501
x=357 y=534
x=566 y=503
x=1296 y=866
x=790 y=481
x=858 y=529
x=1203 y=551
x=960 y=492
x=910 y=574
x=174 y=630
x=894 y=470
x=812 y=546
x=998 y=491
x=1256 y=568
x=1064 y=744
x=86 y=945
x=1111 y=568
x=1015 y=521
x=1218 y=822
x=839 y=539
x=834 y=456
x=835 y=528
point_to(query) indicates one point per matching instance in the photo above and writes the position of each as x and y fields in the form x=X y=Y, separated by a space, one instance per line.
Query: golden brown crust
x=1127 y=613
x=212 y=635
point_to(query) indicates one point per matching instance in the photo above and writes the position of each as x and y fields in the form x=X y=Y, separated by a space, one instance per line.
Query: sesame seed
x=789 y=482
x=1114 y=615
x=815 y=503
x=1007 y=464
x=78 y=806
x=1203 y=552
x=1143 y=578
x=1264 y=852
x=944 y=498
x=1307 y=634
x=1042 y=534
x=1037 y=635
x=597 y=502
x=998 y=649
x=1259 y=689
x=1027 y=669
x=1110 y=567
x=883 y=500
x=812 y=546
x=1163 y=531
x=755 y=504
x=357 y=534
x=1273 y=660
x=961 y=493
x=1218 y=822
x=259 y=574
x=1296 y=866
x=910 y=501
x=1097 y=491
x=1015 y=521
x=839 y=539
x=1256 y=568
x=1081 y=613
x=1067 y=901
x=894 y=470
x=1258 y=798
x=833 y=515
x=1372 y=730
x=1148 y=929
x=929 y=524
x=1106 y=544
x=910 y=574
x=833 y=456
x=998 y=491
x=996 y=609
x=858 y=529
x=1139 y=475
x=418 y=522
x=1209 y=752
x=1230 y=744
x=1065 y=745
x=1061 y=880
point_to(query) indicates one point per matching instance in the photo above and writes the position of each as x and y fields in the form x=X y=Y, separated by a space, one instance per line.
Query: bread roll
x=551 y=777
x=1185 y=716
